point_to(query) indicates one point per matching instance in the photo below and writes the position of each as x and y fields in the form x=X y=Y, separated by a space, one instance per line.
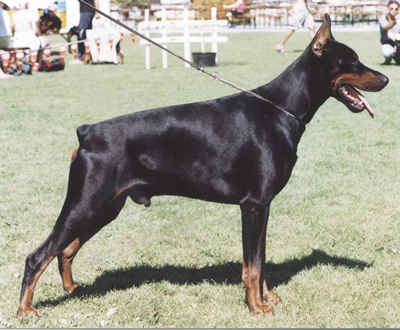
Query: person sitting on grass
x=237 y=9
x=5 y=27
x=5 y=35
x=49 y=24
x=390 y=33
x=26 y=27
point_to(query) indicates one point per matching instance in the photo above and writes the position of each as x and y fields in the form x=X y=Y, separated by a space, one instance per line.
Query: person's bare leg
x=281 y=46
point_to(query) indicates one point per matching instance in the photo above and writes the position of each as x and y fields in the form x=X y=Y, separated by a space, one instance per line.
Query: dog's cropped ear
x=321 y=37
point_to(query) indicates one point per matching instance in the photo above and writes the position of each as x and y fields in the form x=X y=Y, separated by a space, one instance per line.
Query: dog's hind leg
x=65 y=263
x=88 y=207
x=68 y=254
x=254 y=224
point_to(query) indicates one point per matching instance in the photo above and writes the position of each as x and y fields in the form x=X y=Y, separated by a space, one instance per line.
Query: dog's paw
x=27 y=310
x=272 y=297
x=71 y=288
x=262 y=309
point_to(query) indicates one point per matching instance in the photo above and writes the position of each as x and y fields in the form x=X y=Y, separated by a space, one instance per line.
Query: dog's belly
x=221 y=176
x=195 y=181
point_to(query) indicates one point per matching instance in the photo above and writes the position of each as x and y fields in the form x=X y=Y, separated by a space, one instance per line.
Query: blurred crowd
x=24 y=34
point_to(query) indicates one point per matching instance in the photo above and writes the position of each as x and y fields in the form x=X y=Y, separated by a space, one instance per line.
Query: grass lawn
x=333 y=248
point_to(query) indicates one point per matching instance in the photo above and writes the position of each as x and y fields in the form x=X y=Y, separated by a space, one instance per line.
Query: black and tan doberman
x=235 y=149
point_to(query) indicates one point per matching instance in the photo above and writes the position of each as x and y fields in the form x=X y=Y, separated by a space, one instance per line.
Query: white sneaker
x=279 y=48
x=76 y=62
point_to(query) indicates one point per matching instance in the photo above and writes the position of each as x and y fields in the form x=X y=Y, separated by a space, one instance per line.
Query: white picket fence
x=185 y=31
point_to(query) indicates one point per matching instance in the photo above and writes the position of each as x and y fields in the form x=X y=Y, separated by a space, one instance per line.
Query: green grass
x=333 y=246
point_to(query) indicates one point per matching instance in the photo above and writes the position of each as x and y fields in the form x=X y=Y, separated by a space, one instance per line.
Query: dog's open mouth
x=353 y=99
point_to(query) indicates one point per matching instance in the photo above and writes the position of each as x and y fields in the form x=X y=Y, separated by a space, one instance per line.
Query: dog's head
x=345 y=71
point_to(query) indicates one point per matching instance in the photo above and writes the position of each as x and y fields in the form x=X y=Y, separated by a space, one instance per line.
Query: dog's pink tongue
x=367 y=106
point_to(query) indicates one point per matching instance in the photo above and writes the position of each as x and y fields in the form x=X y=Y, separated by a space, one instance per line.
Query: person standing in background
x=85 y=23
x=300 y=17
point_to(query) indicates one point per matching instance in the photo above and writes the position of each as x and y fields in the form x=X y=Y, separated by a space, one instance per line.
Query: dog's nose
x=384 y=80
x=378 y=83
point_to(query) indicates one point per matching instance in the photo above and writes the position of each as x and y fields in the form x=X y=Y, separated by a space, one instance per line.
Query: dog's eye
x=353 y=63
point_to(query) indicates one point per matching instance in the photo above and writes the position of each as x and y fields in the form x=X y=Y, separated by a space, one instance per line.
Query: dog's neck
x=300 y=89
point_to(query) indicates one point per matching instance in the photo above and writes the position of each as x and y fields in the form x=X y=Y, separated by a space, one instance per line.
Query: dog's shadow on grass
x=229 y=273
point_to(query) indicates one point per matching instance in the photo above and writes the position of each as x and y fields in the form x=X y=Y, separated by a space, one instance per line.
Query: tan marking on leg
x=245 y=275
x=67 y=256
x=270 y=295
x=25 y=305
x=256 y=303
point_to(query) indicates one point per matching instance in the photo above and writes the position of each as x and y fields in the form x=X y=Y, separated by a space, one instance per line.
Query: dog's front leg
x=254 y=226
